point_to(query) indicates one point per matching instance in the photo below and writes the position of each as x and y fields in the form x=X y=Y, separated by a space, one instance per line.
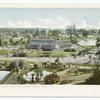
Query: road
x=50 y=59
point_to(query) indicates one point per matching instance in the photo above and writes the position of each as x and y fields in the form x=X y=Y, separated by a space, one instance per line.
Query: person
x=32 y=78
x=90 y=58
x=17 y=70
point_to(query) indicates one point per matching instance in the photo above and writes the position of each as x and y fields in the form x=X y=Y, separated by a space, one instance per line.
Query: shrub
x=35 y=66
x=69 y=50
x=51 y=78
x=12 y=65
x=57 y=66
x=45 y=54
x=20 y=54
x=21 y=63
x=15 y=64
x=95 y=78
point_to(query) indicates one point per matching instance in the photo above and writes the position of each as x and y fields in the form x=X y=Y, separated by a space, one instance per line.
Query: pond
x=28 y=76
x=3 y=74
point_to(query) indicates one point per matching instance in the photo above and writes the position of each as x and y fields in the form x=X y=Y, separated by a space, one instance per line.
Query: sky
x=49 y=17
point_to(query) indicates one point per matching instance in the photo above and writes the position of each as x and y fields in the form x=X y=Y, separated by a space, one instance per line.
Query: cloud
x=17 y=24
x=98 y=25
x=57 y=22
x=82 y=24
x=20 y=24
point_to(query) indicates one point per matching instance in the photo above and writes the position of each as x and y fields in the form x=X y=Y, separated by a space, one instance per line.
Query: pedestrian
x=33 y=78
x=17 y=70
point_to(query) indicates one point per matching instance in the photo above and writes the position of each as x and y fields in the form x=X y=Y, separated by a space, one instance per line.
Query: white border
x=49 y=5
x=50 y=90
x=50 y=1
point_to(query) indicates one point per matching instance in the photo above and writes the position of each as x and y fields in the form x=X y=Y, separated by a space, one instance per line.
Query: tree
x=85 y=33
x=71 y=30
x=55 y=34
x=99 y=32
x=16 y=64
x=5 y=42
x=21 y=63
x=36 y=33
x=74 y=40
x=13 y=64
x=1 y=42
x=38 y=71
x=98 y=53
x=43 y=33
x=98 y=42
x=38 y=74
x=29 y=37
x=95 y=78
x=11 y=41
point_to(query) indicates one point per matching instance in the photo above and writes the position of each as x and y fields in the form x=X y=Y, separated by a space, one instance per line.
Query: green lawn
x=6 y=52
x=56 y=53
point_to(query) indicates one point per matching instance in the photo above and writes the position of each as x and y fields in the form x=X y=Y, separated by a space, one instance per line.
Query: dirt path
x=77 y=60
x=75 y=78
x=79 y=79
x=12 y=79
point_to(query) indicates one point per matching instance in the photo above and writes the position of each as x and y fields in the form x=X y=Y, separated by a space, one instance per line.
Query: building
x=65 y=44
x=49 y=44
x=44 y=44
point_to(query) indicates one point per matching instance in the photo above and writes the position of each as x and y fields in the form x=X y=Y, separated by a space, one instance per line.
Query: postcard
x=49 y=50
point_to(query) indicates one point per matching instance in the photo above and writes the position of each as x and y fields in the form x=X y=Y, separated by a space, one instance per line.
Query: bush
x=95 y=78
x=69 y=50
x=98 y=53
x=35 y=66
x=45 y=54
x=20 y=54
x=51 y=78
x=57 y=66
x=21 y=63
x=15 y=64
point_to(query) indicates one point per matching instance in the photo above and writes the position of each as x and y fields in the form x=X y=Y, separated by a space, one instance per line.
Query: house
x=44 y=44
